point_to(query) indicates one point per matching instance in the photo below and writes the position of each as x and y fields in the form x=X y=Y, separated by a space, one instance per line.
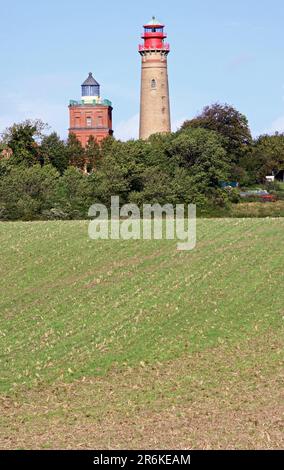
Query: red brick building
x=92 y=116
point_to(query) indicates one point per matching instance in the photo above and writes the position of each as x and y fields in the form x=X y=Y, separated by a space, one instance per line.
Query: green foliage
x=23 y=140
x=120 y=171
x=75 y=152
x=201 y=153
x=74 y=193
x=229 y=123
x=92 y=155
x=267 y=157
x=184 y=188
x=5 y=167
x=54 y=151
x=176 y=168
x=27 y=191
x=182 y=167
x=110 y=180
x=156 y=188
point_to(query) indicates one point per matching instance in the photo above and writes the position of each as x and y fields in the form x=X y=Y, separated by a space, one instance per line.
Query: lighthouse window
x=90 y=90
x=153 y=30
x=153 y=84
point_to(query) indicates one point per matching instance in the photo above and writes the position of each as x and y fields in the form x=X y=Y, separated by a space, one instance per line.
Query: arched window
x=153 y=84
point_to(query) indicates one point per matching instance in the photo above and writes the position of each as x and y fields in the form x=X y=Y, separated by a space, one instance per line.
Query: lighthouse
x=92 y=115
x=154 y=101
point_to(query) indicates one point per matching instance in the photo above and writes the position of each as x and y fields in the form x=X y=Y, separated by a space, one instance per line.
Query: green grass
x=115 y=344
x=72 y=308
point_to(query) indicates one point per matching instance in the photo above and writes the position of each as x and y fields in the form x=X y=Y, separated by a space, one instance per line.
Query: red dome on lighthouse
x=154 y=36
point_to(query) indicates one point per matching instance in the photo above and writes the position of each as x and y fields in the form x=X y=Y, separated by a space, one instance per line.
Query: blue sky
x=221 y=50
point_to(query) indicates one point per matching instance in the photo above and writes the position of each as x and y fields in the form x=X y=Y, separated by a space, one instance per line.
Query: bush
x=25 y=192
x=73 y=195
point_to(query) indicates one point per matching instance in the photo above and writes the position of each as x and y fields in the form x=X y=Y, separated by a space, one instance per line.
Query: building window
x=90 y=90
x=154 y=30
x=153 y=84
x=77 y=121
x=99 y=121
x=89 y=122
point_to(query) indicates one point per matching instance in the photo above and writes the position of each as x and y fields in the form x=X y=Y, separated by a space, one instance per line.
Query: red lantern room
x=154 y=36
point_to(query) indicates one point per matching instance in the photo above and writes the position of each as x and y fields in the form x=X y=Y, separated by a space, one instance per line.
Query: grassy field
x=247 y=210
x=257 y=209
x=115 y=344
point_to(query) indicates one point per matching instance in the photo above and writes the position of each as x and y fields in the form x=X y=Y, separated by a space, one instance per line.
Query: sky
x=221 y=51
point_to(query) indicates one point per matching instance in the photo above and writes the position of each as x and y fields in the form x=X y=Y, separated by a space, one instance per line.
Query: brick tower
x=92 y=116
x=155 y=103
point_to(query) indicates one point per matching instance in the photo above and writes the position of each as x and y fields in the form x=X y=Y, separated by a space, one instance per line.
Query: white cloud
x=177 y=124
x=277 y=125
x=128 y=129
x=17 y=108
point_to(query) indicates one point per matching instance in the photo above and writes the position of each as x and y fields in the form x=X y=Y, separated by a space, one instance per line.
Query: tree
x=92 y=154
x=202 y=153
x=229 y=123
x=156 y=188
x=25 y=192
x=107 y=144
x=267 y=157
x=75 y=193
x=53 y=151
x=185 y=190
x=131 y=159
x=23 y=139
x=120 y=170
x=109 y=180
x=75 y=152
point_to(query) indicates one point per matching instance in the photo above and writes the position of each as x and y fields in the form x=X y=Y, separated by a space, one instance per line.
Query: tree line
x=44 y=177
